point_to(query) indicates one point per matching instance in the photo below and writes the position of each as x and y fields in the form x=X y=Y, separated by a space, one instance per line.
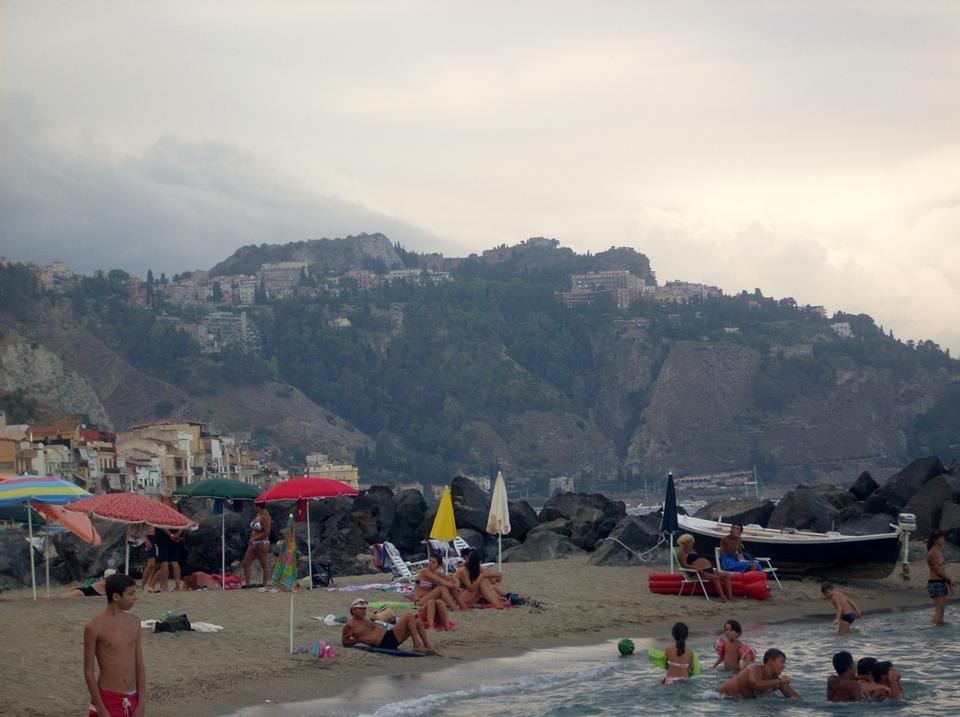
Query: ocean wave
x=430 y=704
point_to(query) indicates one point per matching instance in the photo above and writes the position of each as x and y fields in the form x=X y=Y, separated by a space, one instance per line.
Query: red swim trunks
x=118 y=704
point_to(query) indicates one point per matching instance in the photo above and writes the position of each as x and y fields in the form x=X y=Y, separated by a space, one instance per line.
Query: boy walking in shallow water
x=112 y=640
x=846 y=610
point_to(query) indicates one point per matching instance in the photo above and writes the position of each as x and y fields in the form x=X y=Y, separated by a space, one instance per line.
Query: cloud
x=177 y=205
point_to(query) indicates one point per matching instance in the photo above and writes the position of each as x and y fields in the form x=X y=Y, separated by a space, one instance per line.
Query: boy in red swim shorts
x=112 y=641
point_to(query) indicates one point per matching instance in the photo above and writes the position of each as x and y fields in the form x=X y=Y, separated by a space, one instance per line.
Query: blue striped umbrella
x=27 y=490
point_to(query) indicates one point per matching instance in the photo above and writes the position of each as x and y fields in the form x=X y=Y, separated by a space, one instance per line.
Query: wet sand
x=248 y=662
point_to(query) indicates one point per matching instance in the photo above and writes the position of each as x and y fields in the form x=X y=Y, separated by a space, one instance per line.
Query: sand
x=248 y=661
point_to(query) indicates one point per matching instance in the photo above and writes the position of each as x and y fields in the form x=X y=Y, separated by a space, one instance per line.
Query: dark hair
x=735 y=626
x=935 y=535
x=825 y=587
x=116 y=584
x=880 y=670
x=473 y=565
x=865 y=665
x=680 y=632
x=437 y=557
x=738 y=524
x=773 y=654
x=842 y=661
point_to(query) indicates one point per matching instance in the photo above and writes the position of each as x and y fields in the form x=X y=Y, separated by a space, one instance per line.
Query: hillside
x=490 y=368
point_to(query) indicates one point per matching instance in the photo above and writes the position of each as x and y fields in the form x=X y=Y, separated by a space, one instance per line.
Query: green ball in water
x=626 y=646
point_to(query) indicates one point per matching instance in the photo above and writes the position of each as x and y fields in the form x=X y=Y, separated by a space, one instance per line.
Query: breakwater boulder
x=864 y=486
x=542 y=545
x=410 y=508
x=588 y=516
x=930 y=500
x=523 y=519
x=745 y=511
x=471 y=505
x=201 y=547
x=630 y=537
x=893 y=495
x=811 y=508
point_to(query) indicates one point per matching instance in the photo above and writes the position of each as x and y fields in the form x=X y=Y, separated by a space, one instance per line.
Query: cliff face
x=44 y=376
x=323 y=255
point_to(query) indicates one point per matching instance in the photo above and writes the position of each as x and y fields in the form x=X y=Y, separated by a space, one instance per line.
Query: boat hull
x=873 y=556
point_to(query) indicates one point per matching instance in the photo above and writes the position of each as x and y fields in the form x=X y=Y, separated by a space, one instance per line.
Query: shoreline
x=216 y=674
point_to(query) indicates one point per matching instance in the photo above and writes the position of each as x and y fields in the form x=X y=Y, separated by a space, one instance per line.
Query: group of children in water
x=867 y=678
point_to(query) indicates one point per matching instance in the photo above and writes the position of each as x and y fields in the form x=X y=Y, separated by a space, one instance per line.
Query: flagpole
x=223 y=547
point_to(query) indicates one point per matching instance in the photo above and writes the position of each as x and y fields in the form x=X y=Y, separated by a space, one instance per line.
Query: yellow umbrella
x=444 y=526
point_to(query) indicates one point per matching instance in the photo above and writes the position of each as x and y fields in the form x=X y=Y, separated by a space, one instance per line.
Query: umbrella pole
x=670 y=550
x=310 y=562
x=223 y=549
x=46 y=558
x=499 y=553
x=33 y=570
x=291 y=620
x=126 y=558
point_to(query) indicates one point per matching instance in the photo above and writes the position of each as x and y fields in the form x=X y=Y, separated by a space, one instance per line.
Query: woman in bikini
x=694 y=561
x=478 y=583
x=432 y=584
x=259 y=544
x=679 y=658
x=939 y=584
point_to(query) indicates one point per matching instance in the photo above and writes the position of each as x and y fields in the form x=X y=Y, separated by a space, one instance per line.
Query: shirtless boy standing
x=360 y=628
x=756 y=680
x=846 y=610
x=112 y=639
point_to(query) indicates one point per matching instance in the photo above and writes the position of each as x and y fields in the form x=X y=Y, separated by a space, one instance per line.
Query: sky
x=808 y=149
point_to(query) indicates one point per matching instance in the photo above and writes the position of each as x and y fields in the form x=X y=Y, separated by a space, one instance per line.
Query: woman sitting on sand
x=432 y=584
x=690 y=560
x=479 y=583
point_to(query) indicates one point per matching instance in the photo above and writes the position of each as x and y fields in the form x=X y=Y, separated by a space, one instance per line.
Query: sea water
x=596 y=680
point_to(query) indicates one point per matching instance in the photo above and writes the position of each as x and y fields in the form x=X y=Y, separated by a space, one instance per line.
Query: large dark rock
x=558 y=526
x=377 y=511
x=814 y=509
x=15 y=561
x=202 y=546
x=864 y=486
x=471 y=505
x=630 y=536
x=582 y=506
x=867 y=524
x=474 y=538
x=950 y=522
x=900 y=487
x=746 y=511
x=334 y=537
x=410 y=511
x=543 y=545
x=955 y=468
x=491 y=546
x=928 y=502
x=522 y=519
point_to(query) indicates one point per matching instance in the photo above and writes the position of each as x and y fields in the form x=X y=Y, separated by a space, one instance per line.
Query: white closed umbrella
x=498 y=521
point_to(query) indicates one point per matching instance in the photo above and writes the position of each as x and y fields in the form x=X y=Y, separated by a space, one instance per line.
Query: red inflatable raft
x=752 y=585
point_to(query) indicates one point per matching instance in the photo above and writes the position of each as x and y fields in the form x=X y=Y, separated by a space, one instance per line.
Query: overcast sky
x=808 y=149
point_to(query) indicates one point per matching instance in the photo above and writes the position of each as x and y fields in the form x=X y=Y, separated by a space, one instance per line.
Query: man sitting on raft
x=690 y=560
x=757 y=680
x=732 y=553
x=363 y=630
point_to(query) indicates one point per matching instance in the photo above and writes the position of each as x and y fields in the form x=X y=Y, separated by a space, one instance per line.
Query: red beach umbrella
x=303 y=490
x=132 y=508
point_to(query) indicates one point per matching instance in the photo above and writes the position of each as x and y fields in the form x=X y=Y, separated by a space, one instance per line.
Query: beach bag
x=322 y=575
x=172 y=623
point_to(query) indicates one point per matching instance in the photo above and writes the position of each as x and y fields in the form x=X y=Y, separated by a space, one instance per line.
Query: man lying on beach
x=846 y=610
x=845 y=687
x=756 y=680
x=97 y=589
x=112 y=641
x=363 y=630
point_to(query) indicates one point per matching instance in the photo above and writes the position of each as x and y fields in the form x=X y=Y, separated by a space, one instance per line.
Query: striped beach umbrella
x=43 y=490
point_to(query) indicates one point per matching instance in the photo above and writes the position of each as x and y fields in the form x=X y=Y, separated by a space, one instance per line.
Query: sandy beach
x=248 y=662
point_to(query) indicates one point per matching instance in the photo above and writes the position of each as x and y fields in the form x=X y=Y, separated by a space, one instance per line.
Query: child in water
x=847 y=610
x=681 y=660
x=731 y=651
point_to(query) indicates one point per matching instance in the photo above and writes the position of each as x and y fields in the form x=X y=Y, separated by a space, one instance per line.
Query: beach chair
x=689 y=576
x=402 y=570
x=766 y=565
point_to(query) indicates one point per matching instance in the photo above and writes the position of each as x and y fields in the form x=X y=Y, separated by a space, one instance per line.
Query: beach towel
x=385 y=651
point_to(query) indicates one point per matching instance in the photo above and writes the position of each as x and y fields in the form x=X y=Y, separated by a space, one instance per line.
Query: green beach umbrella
x=220 y=489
